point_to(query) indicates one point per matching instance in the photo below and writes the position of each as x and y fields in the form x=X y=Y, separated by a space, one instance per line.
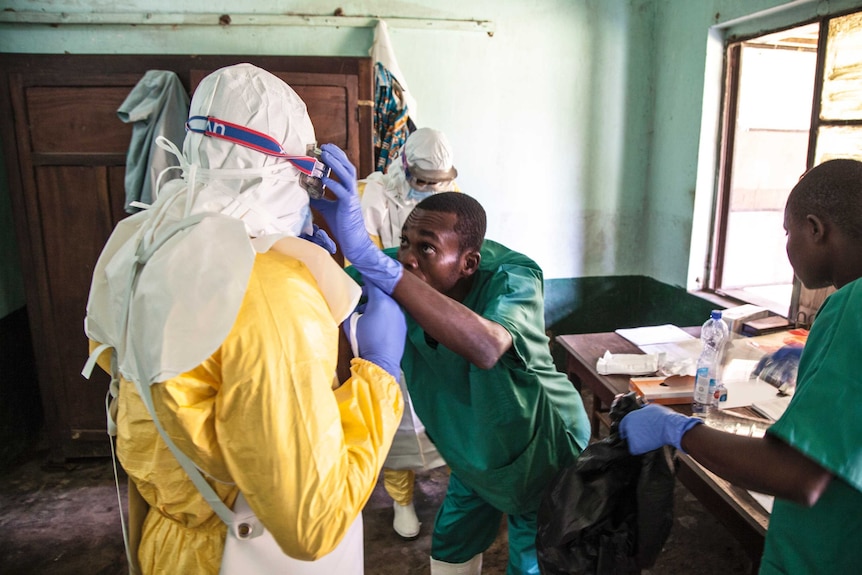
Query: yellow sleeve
x=306 y=457
x=104 y=359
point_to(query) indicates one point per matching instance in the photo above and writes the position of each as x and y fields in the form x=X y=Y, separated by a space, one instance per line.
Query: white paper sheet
x=744 y=393
x=772 y=408
x=738 y=370
x=654 y=334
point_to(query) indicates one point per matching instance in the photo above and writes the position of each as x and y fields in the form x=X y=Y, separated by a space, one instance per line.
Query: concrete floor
x=64 y=521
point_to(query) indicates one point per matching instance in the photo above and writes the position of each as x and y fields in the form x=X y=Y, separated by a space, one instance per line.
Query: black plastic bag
x=609 y=513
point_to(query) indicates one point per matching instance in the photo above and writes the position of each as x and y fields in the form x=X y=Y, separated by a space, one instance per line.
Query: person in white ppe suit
x=424 y=167
x=212 y=300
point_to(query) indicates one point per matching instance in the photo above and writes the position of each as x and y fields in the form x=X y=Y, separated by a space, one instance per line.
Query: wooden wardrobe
x=65 y=153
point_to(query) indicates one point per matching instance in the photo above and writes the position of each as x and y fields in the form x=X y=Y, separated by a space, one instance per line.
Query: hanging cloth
x=394 y=106
x=157 y=106
x=390 y=118
x=381 y=51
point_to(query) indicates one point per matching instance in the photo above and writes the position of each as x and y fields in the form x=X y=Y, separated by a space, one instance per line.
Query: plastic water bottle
x=713 y=335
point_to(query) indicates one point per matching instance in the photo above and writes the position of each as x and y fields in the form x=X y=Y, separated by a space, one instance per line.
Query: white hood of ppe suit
x=248 y=96
x=429 y=153
x=182 y=266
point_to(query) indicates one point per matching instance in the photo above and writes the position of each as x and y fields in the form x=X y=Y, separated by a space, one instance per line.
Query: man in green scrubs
x=811 y=458
x=505 y=427
x=478 y=366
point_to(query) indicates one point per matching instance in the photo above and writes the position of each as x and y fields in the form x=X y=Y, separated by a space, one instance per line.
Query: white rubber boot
x=471 y=567
x=405 y=523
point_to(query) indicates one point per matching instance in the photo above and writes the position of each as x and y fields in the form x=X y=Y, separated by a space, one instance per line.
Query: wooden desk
x=733 y=506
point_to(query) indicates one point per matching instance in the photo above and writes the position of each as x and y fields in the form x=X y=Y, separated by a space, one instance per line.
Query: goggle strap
x=252 y=139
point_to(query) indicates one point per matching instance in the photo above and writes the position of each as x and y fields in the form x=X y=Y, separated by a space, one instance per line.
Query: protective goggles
x=421 y=182
x=311 y=169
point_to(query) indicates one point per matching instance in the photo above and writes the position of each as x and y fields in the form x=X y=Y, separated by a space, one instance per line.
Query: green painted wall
x=585 y=127
x=597 y=304
x=578 y=124
x=545 y=116
x=686 y=76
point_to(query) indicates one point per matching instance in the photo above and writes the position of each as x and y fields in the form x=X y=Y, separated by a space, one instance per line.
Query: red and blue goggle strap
x=254 y=140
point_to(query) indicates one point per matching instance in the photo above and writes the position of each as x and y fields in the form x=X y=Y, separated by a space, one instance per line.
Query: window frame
x=803 y=303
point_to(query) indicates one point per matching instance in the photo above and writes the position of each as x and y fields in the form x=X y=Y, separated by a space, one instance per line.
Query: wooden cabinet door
x=70 y=149
x=65 y=151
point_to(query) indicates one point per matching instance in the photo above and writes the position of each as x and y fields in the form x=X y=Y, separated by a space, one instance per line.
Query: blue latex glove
x=788 y=353
x=381 y=330
x=780 y=367
x=321 y=238
x=344 y=217
x=653 y=426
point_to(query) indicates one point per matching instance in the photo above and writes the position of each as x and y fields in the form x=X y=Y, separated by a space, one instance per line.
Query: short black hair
x=831 y=191
x=472 y=222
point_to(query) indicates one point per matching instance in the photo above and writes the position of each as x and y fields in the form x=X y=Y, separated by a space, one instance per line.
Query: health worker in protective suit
x=222 y=319
x=423 y=168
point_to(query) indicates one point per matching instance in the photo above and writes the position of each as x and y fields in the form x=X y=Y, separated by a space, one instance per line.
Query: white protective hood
x=168 y=285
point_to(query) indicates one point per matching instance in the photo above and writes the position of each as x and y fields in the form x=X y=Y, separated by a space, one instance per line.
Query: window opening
x=793 y=99
x=767 y=123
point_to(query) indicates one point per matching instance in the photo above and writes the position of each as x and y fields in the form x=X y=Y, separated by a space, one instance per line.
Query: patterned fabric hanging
x=391 y=118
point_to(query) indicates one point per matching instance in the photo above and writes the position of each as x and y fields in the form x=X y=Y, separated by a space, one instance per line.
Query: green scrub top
x=824 y=421
x=504 y=431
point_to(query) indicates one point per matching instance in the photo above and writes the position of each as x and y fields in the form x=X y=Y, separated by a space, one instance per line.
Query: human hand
x=380 y=331
x=788 y=353
x=780 y=367
x=652 y=426
x=346 y=208
x=321 y=238
x=344 y=217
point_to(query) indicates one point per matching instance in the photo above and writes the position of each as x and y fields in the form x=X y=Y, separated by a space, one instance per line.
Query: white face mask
x=275 y=205
x=418 y=196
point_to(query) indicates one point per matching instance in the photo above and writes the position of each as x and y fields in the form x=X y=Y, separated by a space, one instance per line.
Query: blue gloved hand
x=381 y=330
x=780 y=367
x=652 y=426
x=788 y=353
x=344 y=217
x=321 y=238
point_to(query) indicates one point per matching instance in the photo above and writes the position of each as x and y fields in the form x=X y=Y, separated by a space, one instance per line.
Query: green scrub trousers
x=467 y=525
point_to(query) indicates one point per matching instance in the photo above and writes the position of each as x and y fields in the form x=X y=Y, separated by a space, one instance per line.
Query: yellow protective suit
x=260 y=416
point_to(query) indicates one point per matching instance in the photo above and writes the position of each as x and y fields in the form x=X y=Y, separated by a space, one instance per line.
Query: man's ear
x=471 y=261
x=816 y=227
